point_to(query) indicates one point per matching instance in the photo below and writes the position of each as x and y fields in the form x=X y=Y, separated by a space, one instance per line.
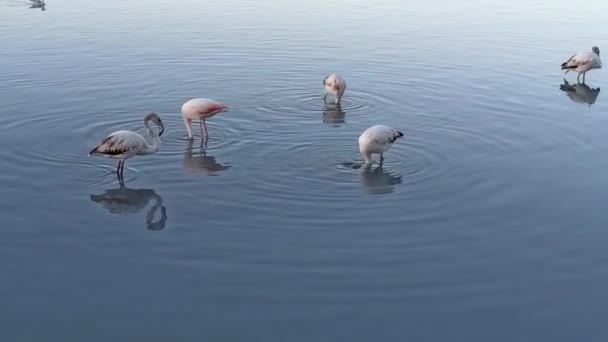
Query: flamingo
x=377 y=140
x=124 y=144
x=201 y=109
x=583 y=62
x=334 y=84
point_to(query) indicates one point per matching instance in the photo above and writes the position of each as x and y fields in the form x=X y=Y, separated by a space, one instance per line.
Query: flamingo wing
x=580 y=59
x=118 y=143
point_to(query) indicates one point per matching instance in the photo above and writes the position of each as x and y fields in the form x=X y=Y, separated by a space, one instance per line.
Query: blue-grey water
x=486 y=223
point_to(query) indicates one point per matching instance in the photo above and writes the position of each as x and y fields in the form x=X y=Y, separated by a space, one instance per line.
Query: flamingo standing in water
x=377 y=140
x=334 y=84
x=124 y=144
x=201 y=109
x=583 y=62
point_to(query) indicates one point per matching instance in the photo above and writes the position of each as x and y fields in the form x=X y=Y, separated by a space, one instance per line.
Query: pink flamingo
x=201 y=109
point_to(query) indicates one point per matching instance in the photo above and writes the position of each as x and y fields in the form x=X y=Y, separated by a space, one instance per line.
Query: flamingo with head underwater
x=334 y=84
x=201 y=109
x=377 y=139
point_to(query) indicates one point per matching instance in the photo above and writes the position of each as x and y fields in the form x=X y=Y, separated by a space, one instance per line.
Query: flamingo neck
x=154 y=145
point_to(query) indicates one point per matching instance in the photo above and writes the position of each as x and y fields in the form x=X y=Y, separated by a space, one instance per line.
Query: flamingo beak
x=226 y=109
x=161 y=128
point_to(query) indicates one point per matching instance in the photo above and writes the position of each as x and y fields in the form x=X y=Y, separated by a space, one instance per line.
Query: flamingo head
x=215 y=108
x=157 y=120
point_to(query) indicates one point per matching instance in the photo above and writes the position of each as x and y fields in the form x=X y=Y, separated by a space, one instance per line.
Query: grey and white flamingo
x=377 y=139
x=583 y=62
x=125 y=144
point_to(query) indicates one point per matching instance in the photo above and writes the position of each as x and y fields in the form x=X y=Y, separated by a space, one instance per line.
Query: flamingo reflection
x=580 y=92
x=333 y=114
x=124 y=201
x=377 y=180
x=200 y=163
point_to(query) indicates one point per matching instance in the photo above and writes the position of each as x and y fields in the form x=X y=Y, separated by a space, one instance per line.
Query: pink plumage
x=201 y=109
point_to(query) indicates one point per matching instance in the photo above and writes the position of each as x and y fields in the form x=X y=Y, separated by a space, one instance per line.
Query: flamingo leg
x=206 y=132
x=200 y=122
x=578 y=78
x=584 y=76
x=325 y=97
x=188 y=123
x=381 y=159
x=119 y=171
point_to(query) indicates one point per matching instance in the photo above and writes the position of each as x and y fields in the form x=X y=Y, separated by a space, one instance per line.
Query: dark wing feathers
x=565 y=64
x=112 y=146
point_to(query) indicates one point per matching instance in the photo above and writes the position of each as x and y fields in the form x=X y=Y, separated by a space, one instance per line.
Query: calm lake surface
x=486 y=223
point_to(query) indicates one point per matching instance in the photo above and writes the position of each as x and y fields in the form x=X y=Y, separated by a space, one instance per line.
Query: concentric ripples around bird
x=486 y=217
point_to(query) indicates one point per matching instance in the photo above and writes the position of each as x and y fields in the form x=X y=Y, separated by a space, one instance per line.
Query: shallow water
x=485 y=223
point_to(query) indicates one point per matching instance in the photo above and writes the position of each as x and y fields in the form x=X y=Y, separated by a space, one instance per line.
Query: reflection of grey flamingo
x=580 y=92
x=334 y=84
x=201 y=163
x=125 y=201
x=124 y=144
x=377 y=140
x=377 y=180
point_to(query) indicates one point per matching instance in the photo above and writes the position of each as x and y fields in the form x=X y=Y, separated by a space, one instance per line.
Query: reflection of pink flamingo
x=201 y=109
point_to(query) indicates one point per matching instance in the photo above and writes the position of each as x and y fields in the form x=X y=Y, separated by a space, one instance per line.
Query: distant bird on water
x=124 y=144
x=37 y=4
x=583 y=62
x=377 y=140
x=201 y=109
x=334 y=84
